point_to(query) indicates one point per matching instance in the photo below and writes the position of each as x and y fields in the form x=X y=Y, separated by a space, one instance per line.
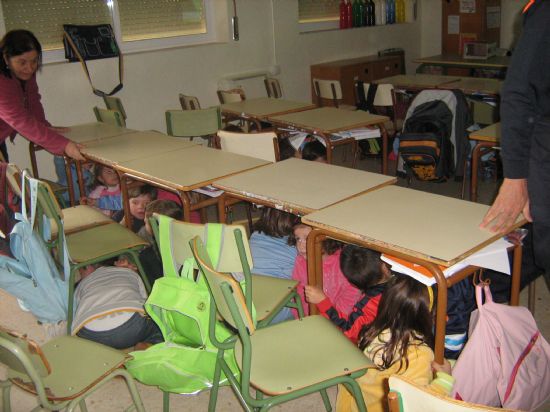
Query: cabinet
x=347 y=71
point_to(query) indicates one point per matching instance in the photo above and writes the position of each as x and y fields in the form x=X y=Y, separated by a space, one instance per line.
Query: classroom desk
x=258 y=110
x=182 y=171
x=486 y=139
x=325 y=121
x=299 y=186
x=417 y=82
x=450 y=60
x=81 y=133
x=420 y=227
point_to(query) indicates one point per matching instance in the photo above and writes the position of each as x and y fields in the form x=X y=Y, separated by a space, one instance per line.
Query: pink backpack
x=506 y=361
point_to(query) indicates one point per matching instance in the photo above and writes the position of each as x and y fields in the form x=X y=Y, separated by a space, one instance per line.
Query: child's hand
x=314 y=294
x=123 y=262
x=446 y=367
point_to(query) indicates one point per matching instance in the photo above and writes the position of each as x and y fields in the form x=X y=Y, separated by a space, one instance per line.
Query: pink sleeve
x=299 y=273
x=28 y=123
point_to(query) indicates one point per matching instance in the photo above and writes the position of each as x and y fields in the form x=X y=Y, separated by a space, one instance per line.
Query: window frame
x=213 y=12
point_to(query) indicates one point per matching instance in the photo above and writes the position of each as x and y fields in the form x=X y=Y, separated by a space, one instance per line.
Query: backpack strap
x=165 y=246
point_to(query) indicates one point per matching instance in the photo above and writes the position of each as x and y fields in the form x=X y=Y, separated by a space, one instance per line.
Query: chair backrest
x=26 y=360
x=327 y=89
x=406 y=396
x=259 y=145
x=231 y=96
x=226 y=291
x=109 y=116
x=189 y=102
x=114 y=103
x=273 y=87
x=177 y=234
x=383 y=96
x=190 y=123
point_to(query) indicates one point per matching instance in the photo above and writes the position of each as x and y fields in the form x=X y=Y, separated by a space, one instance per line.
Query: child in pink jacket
x=341 y=293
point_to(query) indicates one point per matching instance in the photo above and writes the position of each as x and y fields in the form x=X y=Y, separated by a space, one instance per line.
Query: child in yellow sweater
x=398 y=341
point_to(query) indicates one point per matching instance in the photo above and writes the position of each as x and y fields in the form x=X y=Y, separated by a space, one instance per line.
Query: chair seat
x=67 y=381
x=79 y=218
x=347 y=107
x=312 y=345
x=100 y=241
x=268 y=293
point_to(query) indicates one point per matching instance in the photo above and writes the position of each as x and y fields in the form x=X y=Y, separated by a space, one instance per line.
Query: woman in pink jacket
x=20 y=108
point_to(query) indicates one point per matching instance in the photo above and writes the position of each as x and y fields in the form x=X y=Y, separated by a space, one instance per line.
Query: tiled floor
x=114 y=396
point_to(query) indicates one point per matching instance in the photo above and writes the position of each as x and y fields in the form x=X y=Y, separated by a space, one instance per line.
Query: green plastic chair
x=113 y=117
x=193 y=123
x=268 y=293
x=62 y=372
x=281 y=362
x=92 y=244
x=114 y=103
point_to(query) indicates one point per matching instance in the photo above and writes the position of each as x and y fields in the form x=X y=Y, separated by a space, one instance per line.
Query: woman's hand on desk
x=72 y=150
x=512 y=199
x=314 y=294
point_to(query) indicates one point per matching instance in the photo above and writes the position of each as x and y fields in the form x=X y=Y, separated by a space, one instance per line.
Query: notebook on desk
x=493 y=256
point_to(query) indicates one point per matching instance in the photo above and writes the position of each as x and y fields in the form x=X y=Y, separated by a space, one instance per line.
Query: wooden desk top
x=469 y=85
x=190 y=168
x=135 y=145
x=497 y=62
x=328 y=120
x=264 y=106
x=89 y=132
x=473 y=85
x=417 y=81
x=300 y=186
x=435 y=228
x=487 y=134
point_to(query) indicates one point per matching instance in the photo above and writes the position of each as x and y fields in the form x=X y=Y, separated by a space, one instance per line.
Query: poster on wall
x=467 y=6
x=453 y=24
x=493 y=17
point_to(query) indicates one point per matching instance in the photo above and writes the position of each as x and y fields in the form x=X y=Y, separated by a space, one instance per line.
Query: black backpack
x=425 y=144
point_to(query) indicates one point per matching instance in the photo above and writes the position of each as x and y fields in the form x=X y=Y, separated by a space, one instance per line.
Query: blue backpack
x=32 y=275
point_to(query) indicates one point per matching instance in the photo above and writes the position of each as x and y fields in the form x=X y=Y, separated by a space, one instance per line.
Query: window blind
x=310 y=11
x=139 y=19
x=45 y=18
x=153 y=19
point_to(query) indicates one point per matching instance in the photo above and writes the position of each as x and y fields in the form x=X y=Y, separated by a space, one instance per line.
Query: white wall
x=269 y=36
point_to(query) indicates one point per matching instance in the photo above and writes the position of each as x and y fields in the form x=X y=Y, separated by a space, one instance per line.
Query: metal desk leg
x=315 y=263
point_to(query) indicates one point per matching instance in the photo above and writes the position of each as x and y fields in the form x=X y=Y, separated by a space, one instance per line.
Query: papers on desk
x=359 y=134
x=493 y=256
x=296 y=139
x=209 y=190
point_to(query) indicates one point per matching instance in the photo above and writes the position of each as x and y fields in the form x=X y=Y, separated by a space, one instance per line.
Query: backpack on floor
x=506 y=361
x=425 y=144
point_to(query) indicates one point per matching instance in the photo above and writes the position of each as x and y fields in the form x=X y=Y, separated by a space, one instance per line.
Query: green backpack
x=180 y=306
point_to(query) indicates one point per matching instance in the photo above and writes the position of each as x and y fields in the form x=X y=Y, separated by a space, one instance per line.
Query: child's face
x=300 y=233
x=137 y=206
x=108 y=177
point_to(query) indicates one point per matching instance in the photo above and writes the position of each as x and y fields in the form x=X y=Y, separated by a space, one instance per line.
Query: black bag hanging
x=98 y=41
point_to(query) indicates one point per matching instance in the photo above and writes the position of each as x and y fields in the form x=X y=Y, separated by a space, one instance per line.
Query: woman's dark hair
x=314 y=150
x=275 y=223
x=16 y=42
x=362 y=267
x=404 y=311
x=286 y=150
